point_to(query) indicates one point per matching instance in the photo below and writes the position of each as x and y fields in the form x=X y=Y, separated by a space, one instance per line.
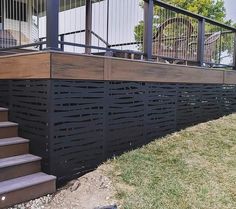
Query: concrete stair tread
x=3 y=109
x=7 y=124
x=12 y=140
x=17 y=160
x=24 y=182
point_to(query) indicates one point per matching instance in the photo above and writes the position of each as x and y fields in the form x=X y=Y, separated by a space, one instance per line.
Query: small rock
x=75 y=186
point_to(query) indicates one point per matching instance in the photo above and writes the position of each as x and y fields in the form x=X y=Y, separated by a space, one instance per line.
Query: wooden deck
x=57 y=65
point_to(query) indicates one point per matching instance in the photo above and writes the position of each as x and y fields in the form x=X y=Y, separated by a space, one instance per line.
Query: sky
x=230 y=6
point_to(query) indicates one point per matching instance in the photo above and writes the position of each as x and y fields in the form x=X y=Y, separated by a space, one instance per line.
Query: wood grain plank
x=25 y=66
x=107 y=68
x=69 y=66
x=230 y=77
x=157 y=72
x=60 y=65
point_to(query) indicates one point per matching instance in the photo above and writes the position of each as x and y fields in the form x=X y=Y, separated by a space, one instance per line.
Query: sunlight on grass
x=194 y=168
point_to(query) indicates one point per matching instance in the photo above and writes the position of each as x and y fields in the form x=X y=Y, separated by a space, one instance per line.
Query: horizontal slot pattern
x=28 y=106
x=78 y=121
x=76 y=125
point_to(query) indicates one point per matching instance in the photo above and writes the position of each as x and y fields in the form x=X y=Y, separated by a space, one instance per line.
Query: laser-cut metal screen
x=75 y=125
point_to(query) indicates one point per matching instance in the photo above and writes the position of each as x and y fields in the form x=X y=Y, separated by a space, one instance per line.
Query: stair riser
x=3 y=116
x=7 y=132
x=14 y=150
x=27 y=194
x=19 y=170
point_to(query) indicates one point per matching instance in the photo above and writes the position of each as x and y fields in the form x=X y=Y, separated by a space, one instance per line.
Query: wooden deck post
x=88 y=26
x=52 y=12
x=148 y=33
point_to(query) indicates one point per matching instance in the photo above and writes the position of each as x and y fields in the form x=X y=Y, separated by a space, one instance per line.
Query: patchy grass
x=194 y=168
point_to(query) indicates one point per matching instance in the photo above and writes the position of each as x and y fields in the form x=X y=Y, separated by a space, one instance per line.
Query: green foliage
x=208 y=8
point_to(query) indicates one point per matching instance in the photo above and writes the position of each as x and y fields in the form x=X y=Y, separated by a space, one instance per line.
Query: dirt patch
x=91 y=191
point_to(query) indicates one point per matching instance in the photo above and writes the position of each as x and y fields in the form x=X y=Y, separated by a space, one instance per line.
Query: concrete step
x=8 y=129
x=26 y=188
x=3 y=114
x=13 y=146
x=17 y=166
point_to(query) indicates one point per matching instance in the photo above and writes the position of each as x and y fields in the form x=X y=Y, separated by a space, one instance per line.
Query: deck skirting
x=77 y=124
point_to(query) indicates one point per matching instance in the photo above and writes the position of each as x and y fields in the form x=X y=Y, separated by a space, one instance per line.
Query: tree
x=208 y=8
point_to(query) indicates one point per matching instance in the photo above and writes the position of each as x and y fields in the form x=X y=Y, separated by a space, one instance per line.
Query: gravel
x=39 y=203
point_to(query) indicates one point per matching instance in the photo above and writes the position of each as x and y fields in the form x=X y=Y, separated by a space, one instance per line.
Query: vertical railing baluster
x=220 y=47
x=88 y=26
x=62 y=39
x=52 y=16
x=148 y=32
x=201 y=40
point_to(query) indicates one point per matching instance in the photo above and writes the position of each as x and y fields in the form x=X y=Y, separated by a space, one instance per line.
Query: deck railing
x=137 y=29
x=182 y=36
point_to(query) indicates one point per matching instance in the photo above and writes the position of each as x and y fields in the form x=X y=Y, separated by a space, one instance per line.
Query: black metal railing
x=138 y=29
x=193 y=38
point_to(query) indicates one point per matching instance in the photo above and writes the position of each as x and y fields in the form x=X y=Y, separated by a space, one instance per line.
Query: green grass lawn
x=194 y=168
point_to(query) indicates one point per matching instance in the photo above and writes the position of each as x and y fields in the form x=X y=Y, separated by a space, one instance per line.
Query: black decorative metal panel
x=28 y=104
x=228 y=99
x=160 y=109
x=125 y=112
x=78 y=126
x=4 y=93
x=197 y=103
x=211 y=102
x=75 y=125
